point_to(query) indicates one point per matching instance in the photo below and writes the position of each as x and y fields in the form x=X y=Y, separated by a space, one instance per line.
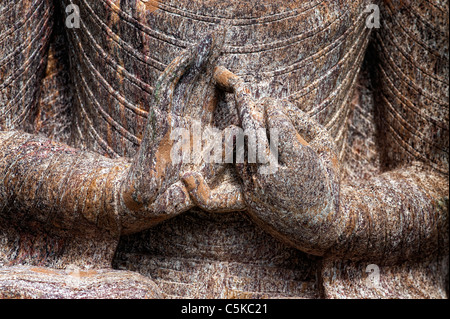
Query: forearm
x=56 y=185
x=397 y=215
x=400 y=214
x=59 y=186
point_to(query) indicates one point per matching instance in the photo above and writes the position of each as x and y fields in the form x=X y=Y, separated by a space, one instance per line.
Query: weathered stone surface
x=411 y=280
x=218 y=256
x=26 y=282
x=363 y=152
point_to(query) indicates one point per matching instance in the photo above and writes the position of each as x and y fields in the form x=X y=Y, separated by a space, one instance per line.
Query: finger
x=292 y=146
x=226 y=199
x=158 y=119
x=250 y=115
x=209 y=49
x=315 y=134
x=152 y=160
x=233 y=150
x=195 y=88
x=165 y=85
x=173 y=87
x=175 y=200
x=225 y=79
x=311 y=130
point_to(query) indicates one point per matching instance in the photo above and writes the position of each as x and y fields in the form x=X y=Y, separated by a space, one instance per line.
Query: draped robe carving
x=85 y=173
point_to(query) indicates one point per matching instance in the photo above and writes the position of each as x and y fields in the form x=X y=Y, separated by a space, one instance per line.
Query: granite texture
x=356 y=207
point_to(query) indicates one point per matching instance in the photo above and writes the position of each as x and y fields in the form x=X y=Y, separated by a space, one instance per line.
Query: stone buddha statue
x=349 y=100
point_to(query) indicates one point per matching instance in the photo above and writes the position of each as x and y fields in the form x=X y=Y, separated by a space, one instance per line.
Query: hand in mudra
x=183 y=93
x=297 y=188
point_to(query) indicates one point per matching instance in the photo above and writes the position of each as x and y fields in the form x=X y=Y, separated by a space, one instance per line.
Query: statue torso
x=307 y=51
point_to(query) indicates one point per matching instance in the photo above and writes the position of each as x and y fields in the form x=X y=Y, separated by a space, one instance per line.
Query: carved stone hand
x=121 y=195
x=292 y=193
x=183 y=92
